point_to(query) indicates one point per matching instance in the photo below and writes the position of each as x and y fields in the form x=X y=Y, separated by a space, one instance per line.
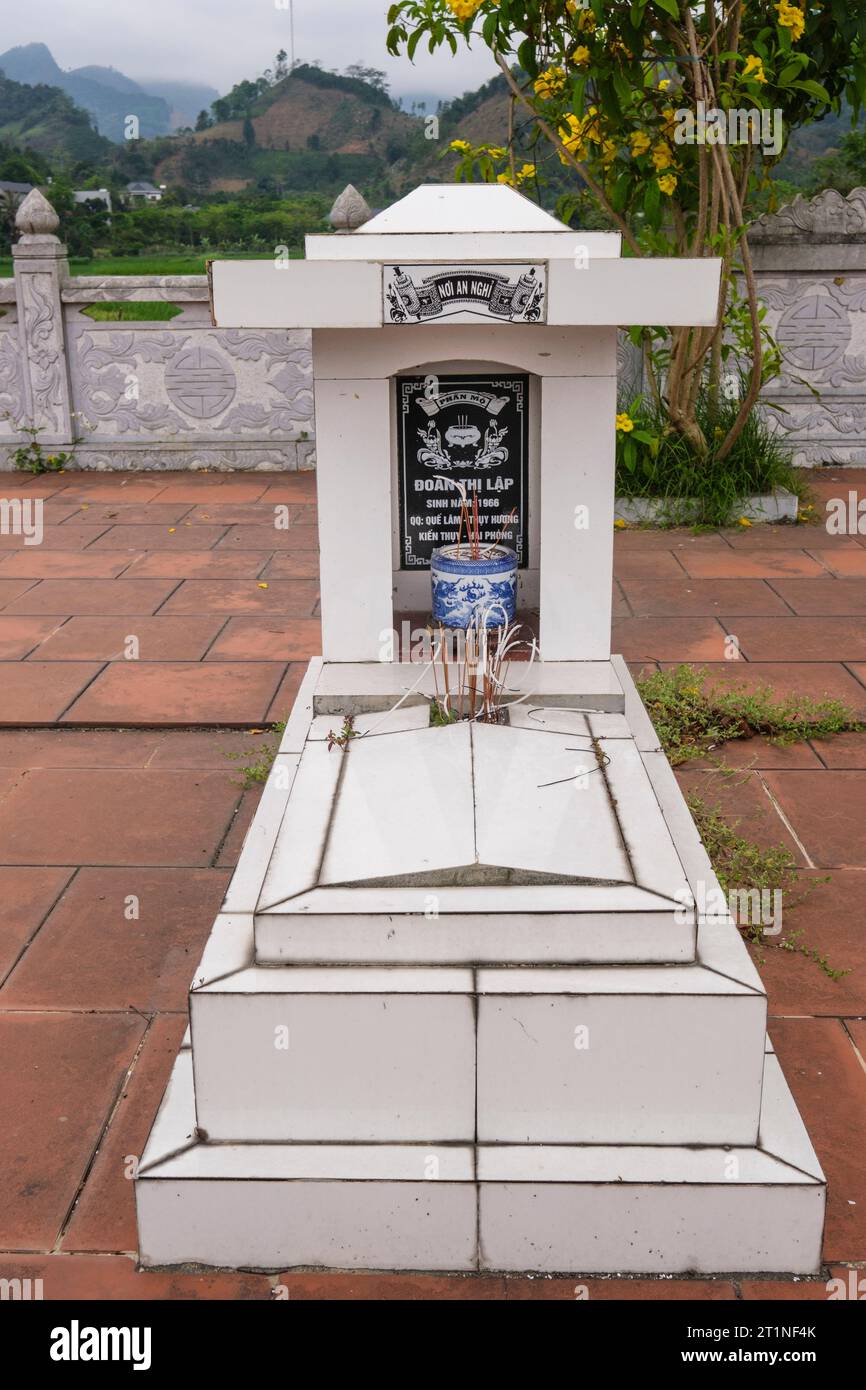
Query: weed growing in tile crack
x=738 y=861
x=348 y=731
x=256 y=772
x=691 y=719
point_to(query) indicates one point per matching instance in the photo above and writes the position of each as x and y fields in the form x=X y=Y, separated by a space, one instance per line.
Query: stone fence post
x=41 y=267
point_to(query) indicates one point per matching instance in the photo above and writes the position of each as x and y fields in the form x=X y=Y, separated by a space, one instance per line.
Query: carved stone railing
x=156 y=394
x=174 y=394
x=810 y=260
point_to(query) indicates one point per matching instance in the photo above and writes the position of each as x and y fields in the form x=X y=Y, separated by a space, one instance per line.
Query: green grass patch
x=131 y=311
x=692 y=719
x=654 y=460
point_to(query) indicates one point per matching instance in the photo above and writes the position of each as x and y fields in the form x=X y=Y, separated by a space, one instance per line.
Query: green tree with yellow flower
x=608 y=89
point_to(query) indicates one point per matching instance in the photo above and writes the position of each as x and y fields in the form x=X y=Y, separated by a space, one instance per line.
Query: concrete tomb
x=462 y=1008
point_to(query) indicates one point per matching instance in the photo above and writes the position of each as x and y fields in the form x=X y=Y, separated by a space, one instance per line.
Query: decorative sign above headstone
x=419 y=293
x=474 y=430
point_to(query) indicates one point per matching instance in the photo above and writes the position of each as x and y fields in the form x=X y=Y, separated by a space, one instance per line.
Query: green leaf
x=669 y=6
x=813 y=88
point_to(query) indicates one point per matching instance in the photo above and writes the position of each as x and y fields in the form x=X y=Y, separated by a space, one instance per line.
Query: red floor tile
x=233 y=843
x=800 y=639
x=133 y=817
x=12 y=588
x=804 y=596
x=636 y=1290
x=843 y=562
x=26 y=898
x=829 y=1085
x=826 y=810
x=94 y=748
x=269 y=537
x=281 y=706
x=842 y=750
x=828 y=920
x=742 y=801
x=126 y=514
x=182 y=536
x=18 y=636
x=739 y=564
x=263 y=639
x=35 y=692
x=669 y=639
x=300 y=564
x=204 y=564
x=89 y=954
x=60 y=1078
x=701 y=597
x=815 y=680
x=104 y=1215
x=179 y=692
x=107 y=639
x=103 y=1278
x=295 y=598
x=97 y=597
x=54 y=538
x=63 y=564
x=212 y=490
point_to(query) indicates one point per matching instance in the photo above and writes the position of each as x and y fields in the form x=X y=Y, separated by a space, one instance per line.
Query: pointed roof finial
x=350 y=211
x=36 y=216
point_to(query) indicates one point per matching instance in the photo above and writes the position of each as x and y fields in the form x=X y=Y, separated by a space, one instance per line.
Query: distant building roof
x=93 y=195
x=142 y=186
x=8 y=187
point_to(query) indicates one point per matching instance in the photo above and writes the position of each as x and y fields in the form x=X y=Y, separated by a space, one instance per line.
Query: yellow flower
x=586 y=21
x=667 y=183
x=581 y=55
x=790 y=17
x=624 y=423
x=505 y=177
x=754 y=69
x=619 y=47
x=744 y=521
x=662 y=157
x=526 y=171
x=549 y=83
x=461 y=145
x=620 y=524
x=592 y=125
x=639 y=141
x=608 y=151
x=670 y=121
x=464 y=9
x=573 y=137
x=664 y=84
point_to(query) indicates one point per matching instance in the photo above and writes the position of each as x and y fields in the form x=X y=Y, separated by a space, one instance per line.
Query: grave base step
x=586 y=1209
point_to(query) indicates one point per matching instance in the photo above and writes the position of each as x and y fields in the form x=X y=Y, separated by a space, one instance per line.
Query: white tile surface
x=511 y=937
x=577 y=466
x=361 y=1067
x=405 y=807
x=245 y=885
x=530 y=812
x=296 y=294
x=230 y=947
x=282 y=1225
x=615 y=1228
x=611 y=1069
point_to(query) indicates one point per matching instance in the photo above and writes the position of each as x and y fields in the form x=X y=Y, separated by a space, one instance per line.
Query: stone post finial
x=350 y=211
x=36 y=216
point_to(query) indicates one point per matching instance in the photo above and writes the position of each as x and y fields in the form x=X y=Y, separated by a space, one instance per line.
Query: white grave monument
x=459 y=1010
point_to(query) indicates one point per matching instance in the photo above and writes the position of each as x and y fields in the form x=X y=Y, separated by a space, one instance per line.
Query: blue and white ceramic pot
x=467 y=591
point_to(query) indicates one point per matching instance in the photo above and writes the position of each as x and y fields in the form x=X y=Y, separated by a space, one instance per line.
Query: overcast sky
x=220 y=41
